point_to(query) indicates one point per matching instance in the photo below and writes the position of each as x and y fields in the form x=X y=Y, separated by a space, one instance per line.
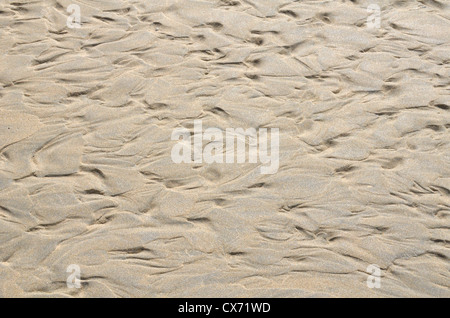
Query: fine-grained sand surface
x=87 y=178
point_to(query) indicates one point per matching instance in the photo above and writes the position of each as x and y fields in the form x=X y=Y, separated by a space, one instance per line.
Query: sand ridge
x=87 y=178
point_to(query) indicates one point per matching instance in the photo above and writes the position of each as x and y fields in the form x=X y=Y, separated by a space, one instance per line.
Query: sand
x=87 y=178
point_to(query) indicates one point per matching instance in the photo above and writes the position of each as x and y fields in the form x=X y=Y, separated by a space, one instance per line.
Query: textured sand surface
x=86 y=175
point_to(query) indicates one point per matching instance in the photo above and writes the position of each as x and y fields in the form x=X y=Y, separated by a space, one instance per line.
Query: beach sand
x=87 y=177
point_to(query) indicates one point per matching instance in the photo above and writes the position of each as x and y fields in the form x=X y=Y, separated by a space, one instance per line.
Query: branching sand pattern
x=86 y=175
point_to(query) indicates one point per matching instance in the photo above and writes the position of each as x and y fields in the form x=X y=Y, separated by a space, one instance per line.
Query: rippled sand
x=86 y=175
